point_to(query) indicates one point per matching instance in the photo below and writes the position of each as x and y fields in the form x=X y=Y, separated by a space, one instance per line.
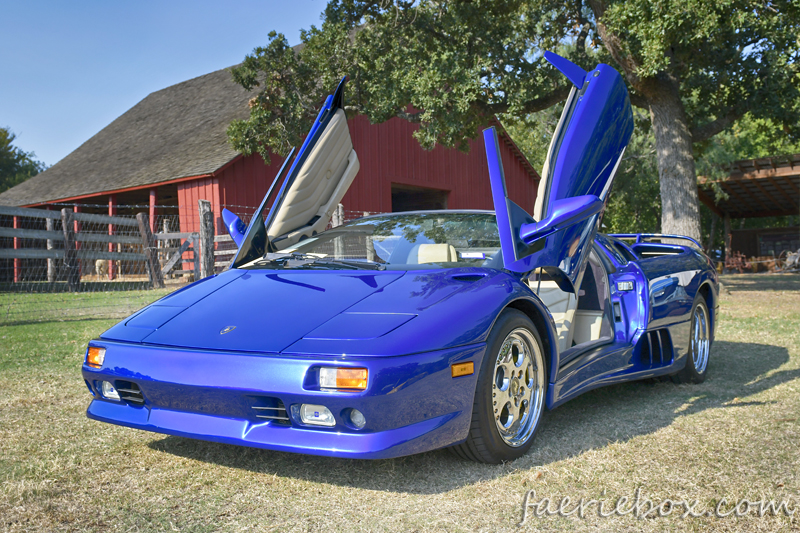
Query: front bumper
x=411 y=404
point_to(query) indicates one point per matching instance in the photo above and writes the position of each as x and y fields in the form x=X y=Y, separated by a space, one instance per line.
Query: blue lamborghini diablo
x=401 y=333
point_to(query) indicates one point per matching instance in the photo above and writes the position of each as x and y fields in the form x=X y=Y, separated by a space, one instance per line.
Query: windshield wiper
x=301 y=260
x=357 y=264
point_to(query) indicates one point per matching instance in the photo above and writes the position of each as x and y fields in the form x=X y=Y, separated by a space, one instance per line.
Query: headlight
x=109 y=391
x=316 y=415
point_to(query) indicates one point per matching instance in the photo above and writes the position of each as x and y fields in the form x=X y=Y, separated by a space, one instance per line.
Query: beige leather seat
x=436 y=253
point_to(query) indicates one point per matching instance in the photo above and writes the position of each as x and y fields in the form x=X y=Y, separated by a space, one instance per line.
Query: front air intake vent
x=130 y=392
x=656 y=348
x=271 y=409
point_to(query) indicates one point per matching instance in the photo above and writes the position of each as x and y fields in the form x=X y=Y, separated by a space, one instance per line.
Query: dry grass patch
x=735 y=436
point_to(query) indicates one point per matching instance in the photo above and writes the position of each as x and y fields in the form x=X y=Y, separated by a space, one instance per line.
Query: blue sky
x=68 y=69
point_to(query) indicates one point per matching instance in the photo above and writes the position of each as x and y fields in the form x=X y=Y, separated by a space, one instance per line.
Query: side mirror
x=563 y=214
x=235 y=226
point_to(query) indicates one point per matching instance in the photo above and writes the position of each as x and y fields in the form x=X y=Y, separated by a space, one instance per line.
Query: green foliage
x=281 y=108
x=749 y=138
x=452 y=66
x=634 y=203
x=532 y=133
x=15 y=165
x=728 y=56
x=448 y=66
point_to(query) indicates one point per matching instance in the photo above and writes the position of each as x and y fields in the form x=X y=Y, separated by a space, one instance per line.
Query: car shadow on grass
x=737 y=372
x=760 y=282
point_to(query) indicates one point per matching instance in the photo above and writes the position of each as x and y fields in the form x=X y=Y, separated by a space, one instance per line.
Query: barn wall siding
x=243 y=183
x=189 y=193
x=388 y=154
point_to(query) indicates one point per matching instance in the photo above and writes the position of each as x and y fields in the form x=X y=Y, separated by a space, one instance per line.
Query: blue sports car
x=401 y=333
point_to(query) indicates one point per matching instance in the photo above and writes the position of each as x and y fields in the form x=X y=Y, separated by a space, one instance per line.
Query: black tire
x=700 y=339
x=485 y=443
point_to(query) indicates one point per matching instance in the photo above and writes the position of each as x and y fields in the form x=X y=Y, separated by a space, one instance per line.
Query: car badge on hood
x=227 y=330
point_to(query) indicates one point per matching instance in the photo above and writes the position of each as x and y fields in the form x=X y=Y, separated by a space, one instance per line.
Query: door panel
x=315 y=183
x=318 y=186
x=587 y=147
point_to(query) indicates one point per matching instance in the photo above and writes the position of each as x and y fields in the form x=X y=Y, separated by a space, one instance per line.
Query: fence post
x=112 y=265
x=196 y=254
x=165 y=245
x=338 y=216
x=51 y=263
x=206 y=238
x=17 y=262
x=150 y=250
x=76 y=208
x=71 y=263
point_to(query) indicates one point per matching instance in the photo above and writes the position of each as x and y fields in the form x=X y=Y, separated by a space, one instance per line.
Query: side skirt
x=610 y=364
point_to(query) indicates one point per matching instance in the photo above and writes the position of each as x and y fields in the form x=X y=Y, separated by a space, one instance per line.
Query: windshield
x=402 y=241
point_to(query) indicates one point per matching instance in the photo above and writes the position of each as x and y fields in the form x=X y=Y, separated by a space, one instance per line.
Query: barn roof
x=173 y=133
x=769 y=186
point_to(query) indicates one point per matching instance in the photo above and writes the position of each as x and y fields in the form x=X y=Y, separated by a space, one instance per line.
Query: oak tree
x=694 y=66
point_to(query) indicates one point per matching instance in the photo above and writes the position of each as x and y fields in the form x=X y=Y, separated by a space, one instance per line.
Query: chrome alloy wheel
x=701 y=344
x=518 y=388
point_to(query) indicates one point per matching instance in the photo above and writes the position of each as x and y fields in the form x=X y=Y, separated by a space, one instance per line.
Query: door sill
x=576 y=351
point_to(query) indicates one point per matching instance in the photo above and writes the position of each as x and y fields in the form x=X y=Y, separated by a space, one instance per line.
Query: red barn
x=171 y=149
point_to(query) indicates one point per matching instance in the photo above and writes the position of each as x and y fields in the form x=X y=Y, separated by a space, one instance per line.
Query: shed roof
x=173 y=133
x=769 y=186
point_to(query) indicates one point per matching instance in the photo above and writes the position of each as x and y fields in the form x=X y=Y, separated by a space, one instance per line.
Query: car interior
x=583 y=318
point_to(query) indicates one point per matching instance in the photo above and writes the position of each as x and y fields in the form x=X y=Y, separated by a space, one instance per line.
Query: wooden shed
x=755 y=188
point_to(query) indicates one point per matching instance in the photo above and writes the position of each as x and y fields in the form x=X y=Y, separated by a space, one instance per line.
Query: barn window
x=407 y=198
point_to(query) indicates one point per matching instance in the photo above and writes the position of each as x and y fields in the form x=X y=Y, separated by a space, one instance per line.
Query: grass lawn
x=97 y=300
x=735 y=436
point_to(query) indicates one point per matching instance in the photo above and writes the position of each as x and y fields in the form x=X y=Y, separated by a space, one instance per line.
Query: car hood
x=252 y=311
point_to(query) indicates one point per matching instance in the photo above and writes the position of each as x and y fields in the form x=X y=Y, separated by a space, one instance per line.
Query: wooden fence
x=160 y=252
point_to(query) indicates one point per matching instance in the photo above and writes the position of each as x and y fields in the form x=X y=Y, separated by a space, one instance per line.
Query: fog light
x=316 y=415
x=343 y=378
x=109 y=391
x=95 y=356
x=357 y=418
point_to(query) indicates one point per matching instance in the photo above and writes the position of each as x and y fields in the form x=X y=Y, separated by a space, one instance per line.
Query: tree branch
x=544 y=102
x=708 y=130
x=584 y=33
x=531 y=106
x=414 y=118
x=639 y=101
x=614 y=45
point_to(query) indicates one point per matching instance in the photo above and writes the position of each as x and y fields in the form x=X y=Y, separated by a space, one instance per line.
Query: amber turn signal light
x=95 y=356
x=462 y=369
x=343 y=378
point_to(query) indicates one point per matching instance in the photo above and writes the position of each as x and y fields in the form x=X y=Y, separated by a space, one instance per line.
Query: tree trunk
x=680 y=214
